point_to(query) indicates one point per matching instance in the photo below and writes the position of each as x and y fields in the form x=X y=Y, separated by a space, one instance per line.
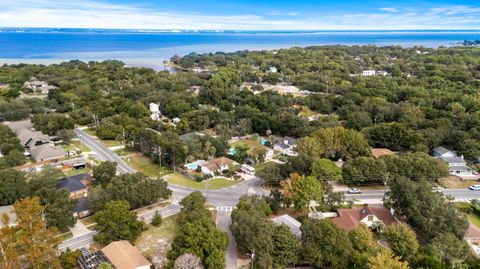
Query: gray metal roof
x=292 y=223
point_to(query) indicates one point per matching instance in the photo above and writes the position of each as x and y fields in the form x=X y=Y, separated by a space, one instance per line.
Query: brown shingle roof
x=47 y=152
x=377 y=152
x=349 y=219
x=222 y=161
x=124 y=256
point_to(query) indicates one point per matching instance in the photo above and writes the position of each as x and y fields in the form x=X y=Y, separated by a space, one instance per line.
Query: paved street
x=223 y=223
x=227 y=197
x=103 y=151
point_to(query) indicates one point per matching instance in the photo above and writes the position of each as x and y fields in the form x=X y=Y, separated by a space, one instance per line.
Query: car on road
x=354 y=191
x=474 y=187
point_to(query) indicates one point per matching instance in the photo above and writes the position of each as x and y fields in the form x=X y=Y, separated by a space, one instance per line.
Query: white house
x=382 y=73
x=272 y=69
x=217 y=165
x=176 y=120
x=154 y=109
x=368 y=73
x=286 y=146
x=441 y=152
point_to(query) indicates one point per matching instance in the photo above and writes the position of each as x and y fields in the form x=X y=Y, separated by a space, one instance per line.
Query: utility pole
x=159 y=150
x=253 y=258
x=385 y=181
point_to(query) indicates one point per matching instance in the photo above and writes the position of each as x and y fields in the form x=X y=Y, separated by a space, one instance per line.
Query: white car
x=474 y=187
x=354 y=191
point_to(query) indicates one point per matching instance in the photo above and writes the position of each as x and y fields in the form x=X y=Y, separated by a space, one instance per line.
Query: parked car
x=474 y=187
x=354 y=191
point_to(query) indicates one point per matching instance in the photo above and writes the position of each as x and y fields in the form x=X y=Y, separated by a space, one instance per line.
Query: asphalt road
x=223 y=224
x=223 y=198
x=103 y=151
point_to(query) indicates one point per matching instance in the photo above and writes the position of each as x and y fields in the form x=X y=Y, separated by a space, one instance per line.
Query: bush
x=157 y=219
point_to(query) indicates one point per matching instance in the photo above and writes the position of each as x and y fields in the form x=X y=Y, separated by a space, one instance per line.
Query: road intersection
x=223 y=199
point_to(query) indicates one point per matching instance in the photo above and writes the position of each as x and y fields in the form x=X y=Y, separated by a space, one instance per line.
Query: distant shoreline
x=151 y=49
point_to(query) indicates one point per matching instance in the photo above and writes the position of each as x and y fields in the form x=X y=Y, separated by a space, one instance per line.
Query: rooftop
x=74 y=183
x=292 y=223
x=377 y=152
x=349 y=219
x=124 y=256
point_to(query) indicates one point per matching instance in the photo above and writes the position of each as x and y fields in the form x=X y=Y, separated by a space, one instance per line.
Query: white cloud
x=389 y=9
x=95 y=14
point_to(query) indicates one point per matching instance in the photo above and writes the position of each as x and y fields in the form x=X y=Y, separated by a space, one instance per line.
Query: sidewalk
x=79 y=229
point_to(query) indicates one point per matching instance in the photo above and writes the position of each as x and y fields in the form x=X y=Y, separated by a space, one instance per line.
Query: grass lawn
x=474 y=219
x=250 y=143
x=108 y=143
x=88 y=220
x=146 y=166
x=260 y=166
x=74 y=172
x=213 y=184
x=453 y=182
x=80 y=146
x=123 y=152
x=154 y=243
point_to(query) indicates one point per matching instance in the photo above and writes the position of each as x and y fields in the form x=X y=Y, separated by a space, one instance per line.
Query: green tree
x=450 y=248
x=104 y=172
x=69 y=259
x=270 y=172
x=333 y=143
x=157 y=219
x=13 y=186
x=361 y=238
x=402 y=241
x=325 y=169
x=386 y=259
x=364 y=170
x=116 y=222
x=427 y=212
x=325 y=245
x=286 y=247
x=104 y=265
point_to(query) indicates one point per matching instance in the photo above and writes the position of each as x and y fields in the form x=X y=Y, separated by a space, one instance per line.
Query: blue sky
x=242 y=15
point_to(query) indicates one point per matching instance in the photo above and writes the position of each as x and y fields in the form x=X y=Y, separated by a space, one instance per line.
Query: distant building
x=368 y=73
x=349 y=219
x=378 y=152
x=272 y=69
x=456 y=164
x=292 y=223
x=38 y=86
x=176 y=120
x=441 y=152
x=382 y=73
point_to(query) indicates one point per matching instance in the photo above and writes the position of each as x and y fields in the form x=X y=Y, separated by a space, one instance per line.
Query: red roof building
x=349 y=219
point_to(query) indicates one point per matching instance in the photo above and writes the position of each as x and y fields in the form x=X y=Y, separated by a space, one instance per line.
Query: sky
x=242 y=15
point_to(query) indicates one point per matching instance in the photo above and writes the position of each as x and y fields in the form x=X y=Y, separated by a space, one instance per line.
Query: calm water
x=143 y=48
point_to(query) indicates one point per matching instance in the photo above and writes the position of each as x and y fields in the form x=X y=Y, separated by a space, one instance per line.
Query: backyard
x=145 y=165
x=154 y=243
x=213 y=184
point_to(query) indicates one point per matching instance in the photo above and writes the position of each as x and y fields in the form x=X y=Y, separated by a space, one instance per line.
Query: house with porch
x=370 y=215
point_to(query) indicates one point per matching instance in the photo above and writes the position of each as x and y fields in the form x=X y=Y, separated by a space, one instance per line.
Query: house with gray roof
x=292 y=223
x=441 y=152
x=47 y=152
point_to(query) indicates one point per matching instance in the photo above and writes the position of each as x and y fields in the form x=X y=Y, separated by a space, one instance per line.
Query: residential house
x=292 y=223
x=77 y=185
x=269 y=154
x=272 y=69
x=47 y=152
x=217 y=165
x=154 y=109
x=123 y=255
x=382 y=73
x=349 y=219
x=441 y=152
x=38 y=86
x=378 y=152
x=82 y=209
x=456 y=164
x=29 y=138
x=176 y=120
x=286 y=146
x=368 y=73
